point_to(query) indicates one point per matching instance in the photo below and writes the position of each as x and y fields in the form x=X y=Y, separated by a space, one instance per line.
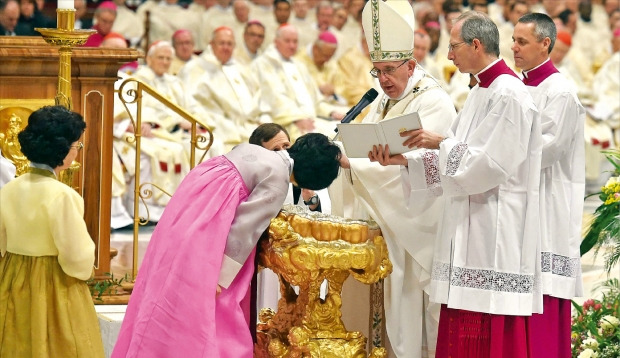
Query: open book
x=358 y=138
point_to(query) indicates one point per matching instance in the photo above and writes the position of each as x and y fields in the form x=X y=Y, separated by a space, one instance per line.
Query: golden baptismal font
x=304 y=249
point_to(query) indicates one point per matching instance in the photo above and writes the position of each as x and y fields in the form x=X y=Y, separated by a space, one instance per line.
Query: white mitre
x=389 y=27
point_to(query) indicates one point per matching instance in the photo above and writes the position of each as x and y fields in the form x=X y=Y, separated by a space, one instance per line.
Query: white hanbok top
x=487 y=255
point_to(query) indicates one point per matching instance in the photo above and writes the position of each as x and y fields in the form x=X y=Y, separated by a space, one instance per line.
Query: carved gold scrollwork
x=10 y=147
x=304 y=249
x=13 y=119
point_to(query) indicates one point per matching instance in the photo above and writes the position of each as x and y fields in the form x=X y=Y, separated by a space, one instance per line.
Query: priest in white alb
x=562 y=182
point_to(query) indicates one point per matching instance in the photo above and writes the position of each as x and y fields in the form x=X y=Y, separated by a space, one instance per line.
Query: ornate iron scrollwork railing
x=131 y=91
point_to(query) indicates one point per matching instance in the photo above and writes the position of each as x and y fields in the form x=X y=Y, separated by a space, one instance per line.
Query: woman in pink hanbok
x=191 y=293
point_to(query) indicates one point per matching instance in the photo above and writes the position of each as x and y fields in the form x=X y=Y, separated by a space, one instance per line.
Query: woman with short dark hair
x=190 y=295
x=46 y=309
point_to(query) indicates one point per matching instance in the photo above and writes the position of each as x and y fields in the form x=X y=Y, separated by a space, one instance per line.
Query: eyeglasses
x=451 y=47
x=375 y=72
x=78 y=146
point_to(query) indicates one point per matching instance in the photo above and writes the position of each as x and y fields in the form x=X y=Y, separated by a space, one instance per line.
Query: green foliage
x=110 y=285
x=596 y=324
x=605 y=227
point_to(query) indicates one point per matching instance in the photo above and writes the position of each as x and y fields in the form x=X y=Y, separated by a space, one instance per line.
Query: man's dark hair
x=275 y=2
x=543 y=27
x=265 y=132
x=564 y=16
x=49 y=134
x=317 y=161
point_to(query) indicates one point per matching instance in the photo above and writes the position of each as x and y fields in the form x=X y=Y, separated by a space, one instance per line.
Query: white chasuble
x=409 y=232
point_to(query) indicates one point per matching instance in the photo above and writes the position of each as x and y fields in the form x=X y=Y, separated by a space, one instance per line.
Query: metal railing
x=129 y=92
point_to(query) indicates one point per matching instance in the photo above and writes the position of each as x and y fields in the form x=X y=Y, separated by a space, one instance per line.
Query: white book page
x=394 y=126
x=358 y=138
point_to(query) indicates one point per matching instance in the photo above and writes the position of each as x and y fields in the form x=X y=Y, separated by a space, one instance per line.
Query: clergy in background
x=562 y=182
x=318 y=59
x=183 y=43
x=353 y=78
x=229 y=93
x=411 y=320
x=105 y=15
x=128 y=23
x=290 y=96
x=252 y=40
x=487 y=259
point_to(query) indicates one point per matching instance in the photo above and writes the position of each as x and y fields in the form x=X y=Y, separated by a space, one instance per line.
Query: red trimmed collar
x=488 y=75
x=537 y=75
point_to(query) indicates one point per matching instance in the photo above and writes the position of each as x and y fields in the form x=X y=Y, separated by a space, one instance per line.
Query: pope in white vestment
x=411 y=321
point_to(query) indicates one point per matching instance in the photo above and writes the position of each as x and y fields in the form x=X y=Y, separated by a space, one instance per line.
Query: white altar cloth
x=110 y=320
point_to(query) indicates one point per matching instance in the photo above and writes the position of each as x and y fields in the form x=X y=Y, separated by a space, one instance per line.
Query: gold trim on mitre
x=389 y=28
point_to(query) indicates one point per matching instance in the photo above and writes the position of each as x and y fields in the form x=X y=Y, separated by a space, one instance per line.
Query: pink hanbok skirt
x=173 y=310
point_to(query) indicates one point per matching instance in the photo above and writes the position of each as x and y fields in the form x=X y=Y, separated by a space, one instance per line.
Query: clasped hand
x=418 y=138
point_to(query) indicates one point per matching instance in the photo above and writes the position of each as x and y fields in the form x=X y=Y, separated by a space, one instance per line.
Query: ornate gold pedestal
x=304 y=249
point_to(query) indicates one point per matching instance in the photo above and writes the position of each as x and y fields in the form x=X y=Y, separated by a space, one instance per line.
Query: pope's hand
x=381 y=155
x=344 y=161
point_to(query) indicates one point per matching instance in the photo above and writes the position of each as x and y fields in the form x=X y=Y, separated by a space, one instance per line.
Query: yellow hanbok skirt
x=45 y=312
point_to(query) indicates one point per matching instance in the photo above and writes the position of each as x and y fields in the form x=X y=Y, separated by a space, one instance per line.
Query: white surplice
x=409 y=233
x=562 y=180
x=487 y=257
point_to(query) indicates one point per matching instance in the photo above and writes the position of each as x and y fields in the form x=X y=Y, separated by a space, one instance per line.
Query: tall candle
x=66 y=4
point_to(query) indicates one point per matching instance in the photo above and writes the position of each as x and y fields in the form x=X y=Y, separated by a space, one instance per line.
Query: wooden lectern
x=29 y=74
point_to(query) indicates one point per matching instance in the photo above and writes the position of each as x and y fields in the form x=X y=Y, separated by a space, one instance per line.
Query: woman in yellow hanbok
x=46 y=309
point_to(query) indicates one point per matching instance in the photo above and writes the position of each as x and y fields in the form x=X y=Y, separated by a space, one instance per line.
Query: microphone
x=363 y=103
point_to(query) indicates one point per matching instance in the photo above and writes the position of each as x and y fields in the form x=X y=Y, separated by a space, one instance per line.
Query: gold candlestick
x=66 y=37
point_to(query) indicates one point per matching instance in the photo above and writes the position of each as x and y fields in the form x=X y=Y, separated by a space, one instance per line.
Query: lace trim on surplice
x=431 y=171
x=560 y=265
x=454 y=158
x=483 y=279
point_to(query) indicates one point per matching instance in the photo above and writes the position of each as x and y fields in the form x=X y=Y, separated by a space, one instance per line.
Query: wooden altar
x=29 y=74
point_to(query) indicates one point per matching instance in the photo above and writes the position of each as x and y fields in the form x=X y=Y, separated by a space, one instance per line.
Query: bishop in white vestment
x=290 y=96
x=229 y=93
